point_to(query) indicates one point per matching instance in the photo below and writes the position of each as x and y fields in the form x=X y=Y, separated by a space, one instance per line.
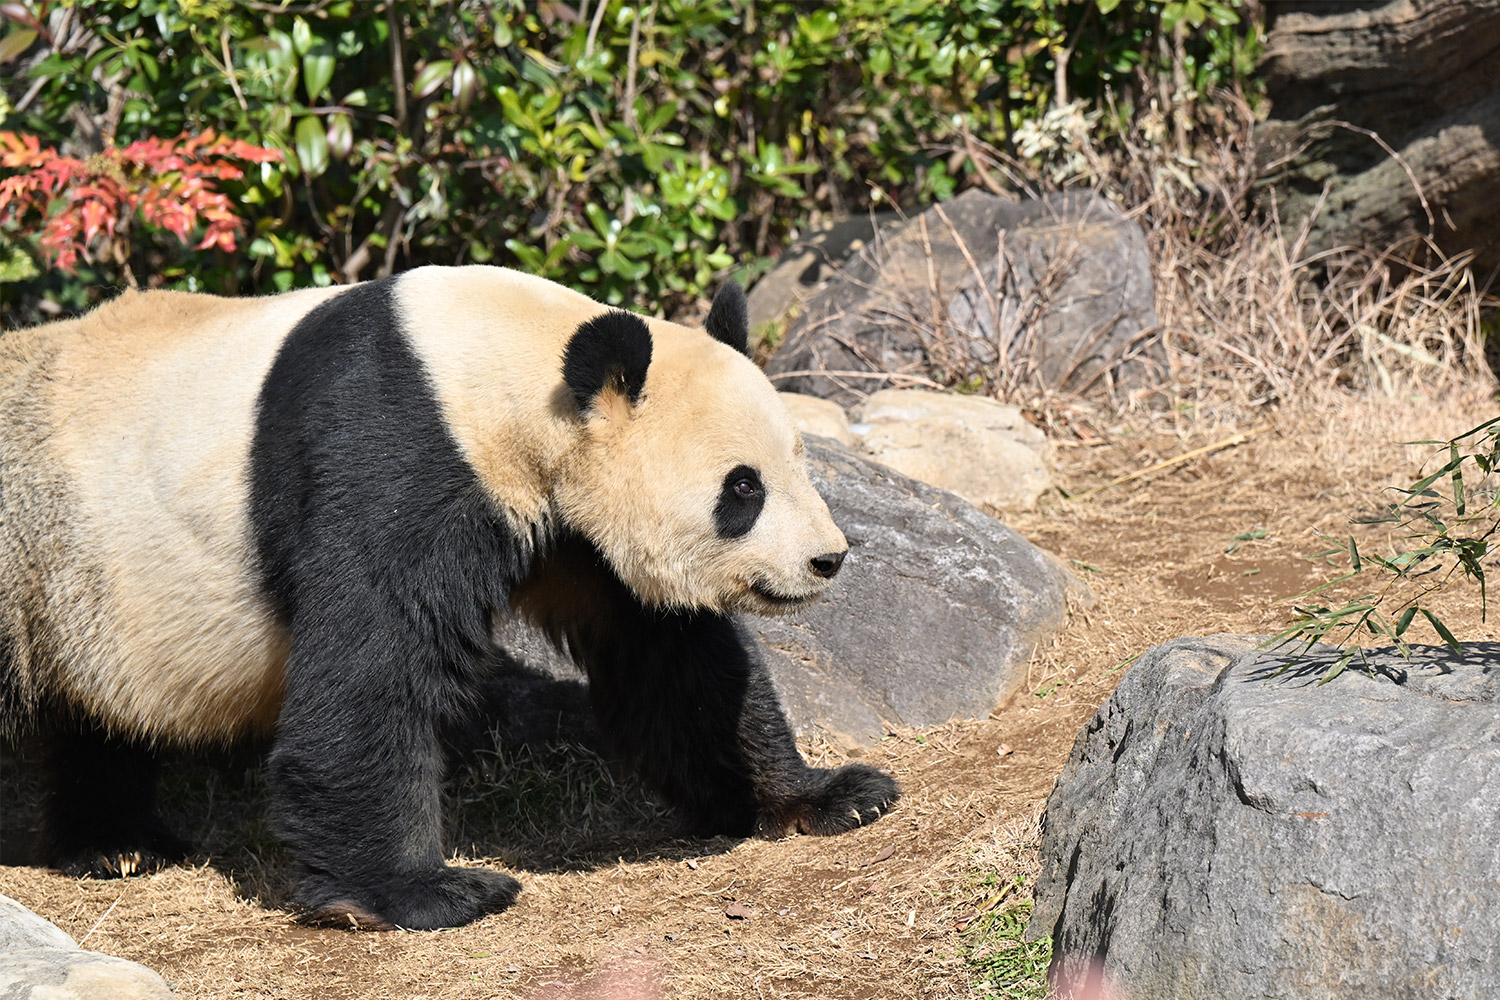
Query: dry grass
x=1250 y=319
x=1247 y=318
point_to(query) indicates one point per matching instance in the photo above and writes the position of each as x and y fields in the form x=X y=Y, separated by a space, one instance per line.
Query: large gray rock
x=934 y=616
x=1221 y=832
x=40 y=962
x=806 y=264
x=1055 y=291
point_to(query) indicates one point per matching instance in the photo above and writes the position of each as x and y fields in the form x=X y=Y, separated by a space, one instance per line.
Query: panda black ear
x=729 y=318
x=610 y=350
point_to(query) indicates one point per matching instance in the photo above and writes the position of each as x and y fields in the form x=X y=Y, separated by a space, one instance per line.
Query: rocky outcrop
x=1222 y=831
x=805 y=265
x=1384 y=123
x=934 y=616
x=40 y=962
x=1054 y=291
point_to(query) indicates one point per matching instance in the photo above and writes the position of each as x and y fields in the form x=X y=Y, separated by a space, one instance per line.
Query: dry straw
x=1249 y=317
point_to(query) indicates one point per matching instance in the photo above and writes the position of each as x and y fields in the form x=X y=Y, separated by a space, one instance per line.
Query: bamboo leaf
x=1458 y=477
x=1337 y=668
x=1419 y=488
x=1442 y=630
x=1404 y=622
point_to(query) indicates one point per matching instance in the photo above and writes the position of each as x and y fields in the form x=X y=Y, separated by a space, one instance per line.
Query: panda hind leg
x=99 y=806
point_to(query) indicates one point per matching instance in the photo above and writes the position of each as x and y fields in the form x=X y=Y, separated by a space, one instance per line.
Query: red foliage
x=170 y=183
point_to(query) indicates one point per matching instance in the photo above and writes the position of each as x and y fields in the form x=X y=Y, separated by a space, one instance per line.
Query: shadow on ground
x=535 y=792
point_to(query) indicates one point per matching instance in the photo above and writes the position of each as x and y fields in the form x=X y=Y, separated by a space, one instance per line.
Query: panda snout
x=827 y=565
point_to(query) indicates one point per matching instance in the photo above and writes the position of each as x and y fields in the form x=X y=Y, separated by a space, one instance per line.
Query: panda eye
x=741 y=497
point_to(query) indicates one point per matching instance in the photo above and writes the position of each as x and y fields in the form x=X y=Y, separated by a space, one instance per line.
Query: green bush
x=635 y=151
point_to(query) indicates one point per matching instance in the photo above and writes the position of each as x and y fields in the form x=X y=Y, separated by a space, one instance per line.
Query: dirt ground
x=616 y=906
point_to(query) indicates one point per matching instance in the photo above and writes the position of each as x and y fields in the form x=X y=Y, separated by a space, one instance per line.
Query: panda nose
x=827 y=565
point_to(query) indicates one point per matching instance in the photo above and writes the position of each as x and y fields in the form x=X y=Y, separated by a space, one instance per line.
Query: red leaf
x=94 y=215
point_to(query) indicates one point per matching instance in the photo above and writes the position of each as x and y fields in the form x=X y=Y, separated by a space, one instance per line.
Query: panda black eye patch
x=740 y=501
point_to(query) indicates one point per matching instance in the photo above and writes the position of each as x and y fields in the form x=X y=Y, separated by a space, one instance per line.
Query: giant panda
x=294 y=518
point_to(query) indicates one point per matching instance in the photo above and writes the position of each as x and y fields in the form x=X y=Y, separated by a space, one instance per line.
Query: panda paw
x=122 y=854
x=443 y=897
x=839 y=801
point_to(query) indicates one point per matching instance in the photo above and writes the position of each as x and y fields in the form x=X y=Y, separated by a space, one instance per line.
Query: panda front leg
x=685 y=697
x=356 y=771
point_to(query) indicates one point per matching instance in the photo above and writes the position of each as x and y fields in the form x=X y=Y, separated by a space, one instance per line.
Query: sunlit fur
x=127 y=584
x=641 y=480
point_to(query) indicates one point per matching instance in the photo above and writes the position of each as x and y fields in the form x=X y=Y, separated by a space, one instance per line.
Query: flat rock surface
x=983 y=450
x=822 y=417
x=40 y=962
x=1221 y=831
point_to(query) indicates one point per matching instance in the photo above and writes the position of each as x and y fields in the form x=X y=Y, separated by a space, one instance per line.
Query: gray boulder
x=40 y=962
x=806 y=264
x=1223 y=832
x=934 y=616
x=1055 y=291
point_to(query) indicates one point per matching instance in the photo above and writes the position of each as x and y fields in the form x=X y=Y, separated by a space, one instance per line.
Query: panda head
x=688 y=474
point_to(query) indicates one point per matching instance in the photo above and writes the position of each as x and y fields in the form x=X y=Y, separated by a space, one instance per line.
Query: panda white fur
x=294 y=517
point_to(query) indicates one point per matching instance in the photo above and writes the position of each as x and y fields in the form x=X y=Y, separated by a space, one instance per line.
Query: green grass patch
x=1005 y=966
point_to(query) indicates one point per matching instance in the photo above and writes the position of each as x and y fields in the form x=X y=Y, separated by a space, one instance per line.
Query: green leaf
x=600 y=220
x=465 y=83
x=317 y=70
x=302 y=37
x=15 y=43
x=432 y=78
x=1419 y=488
x=1458 y=478
x=15 y=263
x=820 y=27
x=1354 y=555
x=312 y=146
x=1442 y=630
x=1404 y=622
x=1337 y=668
x=340 y=136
